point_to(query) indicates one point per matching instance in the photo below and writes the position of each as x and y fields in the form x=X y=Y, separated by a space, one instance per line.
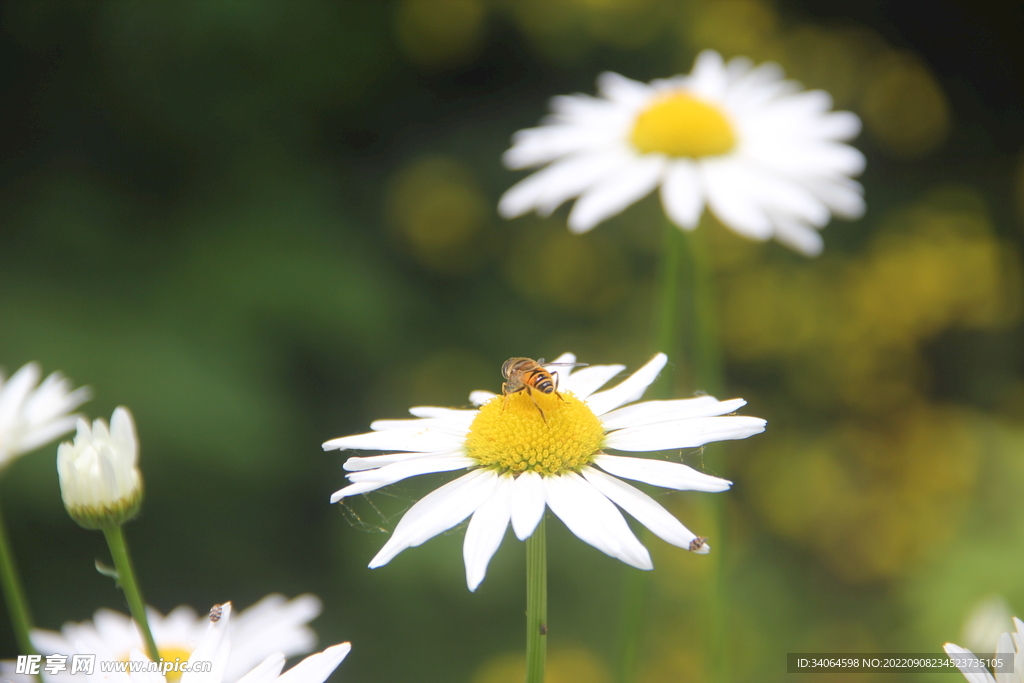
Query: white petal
x=548 y=188
x=371 y=480
x=617 y=191
x=708 y=77
x=642 y=507
x=537 y=146
x=731 y=200
x=485 y=532
x=630 y=389
x=685 y=433
x=738 y=68
x=395 y=472
x=445 y=424
x=317 y=667
x=799 y=237
x=411 y=438
x=122 y=433
x=438 y=511
x=357 y=464
x=843 y=196
x=213 y=647
x=450 y=414
x=971 y=676
x=527 y=504
x=480 y=397
x=623 y=90
x=814 y=160
x=586 y=381
x=781 y=195
x=274 y=624
x=590 y=516
x=650 y=412
x=14 y=392
x=559 y=370
x=45 y=433
x=838 y=125
x=583 y=113
x=682 y=194
x=268 y=670
x=669 y=475
x=1004 y=646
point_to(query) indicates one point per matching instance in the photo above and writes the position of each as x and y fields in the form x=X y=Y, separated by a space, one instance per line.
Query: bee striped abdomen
x=541 y=380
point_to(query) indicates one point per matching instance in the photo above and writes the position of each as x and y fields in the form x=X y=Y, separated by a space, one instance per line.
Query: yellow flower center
x=169 y=654
x=680 y=125
x=546 y=433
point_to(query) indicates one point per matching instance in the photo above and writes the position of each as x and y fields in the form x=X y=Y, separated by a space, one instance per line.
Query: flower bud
x=99 y=477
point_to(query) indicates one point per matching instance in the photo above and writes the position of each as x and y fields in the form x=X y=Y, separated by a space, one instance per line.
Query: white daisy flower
x=30 y=415
x=766 y=157
x=529 y=450
x=1011 y=645
x=274 y=624
x=213 y=655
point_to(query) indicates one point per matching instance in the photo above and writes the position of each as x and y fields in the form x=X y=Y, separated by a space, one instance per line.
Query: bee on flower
x=525 y=452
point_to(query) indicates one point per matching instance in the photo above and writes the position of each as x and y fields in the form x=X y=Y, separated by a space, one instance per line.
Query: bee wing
x=560 y=375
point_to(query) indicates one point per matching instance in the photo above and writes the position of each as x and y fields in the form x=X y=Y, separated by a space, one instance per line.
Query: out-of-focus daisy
x=30 y=415
x=989 y=618
x=274 y=624
x=214 y=654
x=1011 y=645
x=530 y=450
x=766 y=157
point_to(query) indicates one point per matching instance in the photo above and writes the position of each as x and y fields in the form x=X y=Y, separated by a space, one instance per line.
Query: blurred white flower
x=989 y=618
x=30 y=415
x=766 y=157
x=99 y=475
x=530 y=450
x=1009 y=644
x=215 y=646
x=274 y=624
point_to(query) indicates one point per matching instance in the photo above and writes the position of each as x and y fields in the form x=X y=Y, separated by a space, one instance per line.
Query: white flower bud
x=99 y=475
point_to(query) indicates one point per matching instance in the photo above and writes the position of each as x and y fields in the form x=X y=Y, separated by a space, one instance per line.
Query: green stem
x=634 y=593
x=126 y=577
x=14 y=594
x=668 y=303
x=536 y=604
x=669 y=308
x=709 y=376
x=706 y=358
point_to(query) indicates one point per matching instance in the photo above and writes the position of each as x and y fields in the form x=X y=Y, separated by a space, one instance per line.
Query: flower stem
x=126 y=577
x=668 y=307
x=634 y=596
x=668 y=303
x=709 y=376
x=706 y=358
x=536 y=604
x=14 y=594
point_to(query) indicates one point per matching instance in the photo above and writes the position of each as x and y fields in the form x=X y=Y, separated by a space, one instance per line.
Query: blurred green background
x=261 y=225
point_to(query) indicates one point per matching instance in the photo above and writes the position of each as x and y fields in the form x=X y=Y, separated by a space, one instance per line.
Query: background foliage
x=261 y=225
